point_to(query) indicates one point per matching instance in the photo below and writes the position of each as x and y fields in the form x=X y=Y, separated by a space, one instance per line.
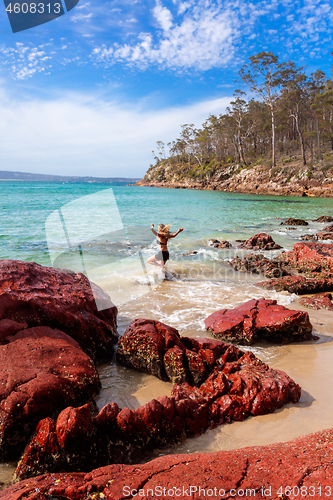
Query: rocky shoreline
x=51 y=336
x=281 y=181
x=301 y=468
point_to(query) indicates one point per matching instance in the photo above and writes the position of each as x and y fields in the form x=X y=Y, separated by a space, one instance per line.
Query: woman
x=163 y=236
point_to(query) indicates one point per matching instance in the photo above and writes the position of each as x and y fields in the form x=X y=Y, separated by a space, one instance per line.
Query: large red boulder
x=153 y=347
x=261 y=241
x=258 y=320
x=37 y=295
x=41 y=372
x=301 y=468
x=235 y=386
x=311 y=258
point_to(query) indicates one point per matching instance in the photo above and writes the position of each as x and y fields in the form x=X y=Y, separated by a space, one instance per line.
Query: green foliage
x=301 y=105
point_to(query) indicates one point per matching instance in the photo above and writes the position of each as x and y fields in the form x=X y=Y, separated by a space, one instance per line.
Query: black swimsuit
x=162 y=254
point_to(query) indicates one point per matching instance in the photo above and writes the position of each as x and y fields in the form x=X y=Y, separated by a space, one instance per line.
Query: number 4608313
x=33 y=8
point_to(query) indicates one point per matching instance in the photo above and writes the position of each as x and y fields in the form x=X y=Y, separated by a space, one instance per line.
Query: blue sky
x=91 y=92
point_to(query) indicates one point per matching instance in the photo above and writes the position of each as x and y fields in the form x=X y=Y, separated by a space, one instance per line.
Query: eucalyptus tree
x=238 y=117
x=323 y=108
x=263 y=78
x=296 y=97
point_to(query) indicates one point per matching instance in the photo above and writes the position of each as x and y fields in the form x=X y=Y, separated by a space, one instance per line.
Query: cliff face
x=288 y=179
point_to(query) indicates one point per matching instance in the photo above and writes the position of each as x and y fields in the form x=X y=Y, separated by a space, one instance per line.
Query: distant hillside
x=5 y=175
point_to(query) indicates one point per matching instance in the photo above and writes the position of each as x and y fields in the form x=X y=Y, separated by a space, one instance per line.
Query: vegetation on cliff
x=285 y=135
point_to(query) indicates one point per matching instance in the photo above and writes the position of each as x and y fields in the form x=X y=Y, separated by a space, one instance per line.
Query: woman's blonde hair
x=164 y=229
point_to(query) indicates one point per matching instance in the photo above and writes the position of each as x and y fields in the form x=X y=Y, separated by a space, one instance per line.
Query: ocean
x=104 y=231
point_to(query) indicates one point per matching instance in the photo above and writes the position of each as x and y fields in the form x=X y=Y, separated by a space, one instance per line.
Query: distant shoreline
x=6 y=175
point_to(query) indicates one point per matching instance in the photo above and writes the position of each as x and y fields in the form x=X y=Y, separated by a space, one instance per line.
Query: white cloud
x=81 y=17
x=81 y=135
x=163 y=16
x=202 y=38
x=24 y=61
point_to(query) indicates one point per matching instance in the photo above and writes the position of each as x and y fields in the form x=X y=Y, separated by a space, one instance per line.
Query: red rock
x=73 y=424
x=37 y=295
x=219 y=244
x=329 y=228
x=309 y=237
x=298 y=284
x=324 y=218
x=44 y=442
x=261 y=241
x=174 y=363
x=41 y=371
x=197 y=367
x=258 y=320
x=156 y=348
x=322 y=235
x=9 y=327
x=294 y=222
x=268 y=472
x=236 y=386
x=320 y=301
x=256 y=263
x=311 y=257
x=142 y=347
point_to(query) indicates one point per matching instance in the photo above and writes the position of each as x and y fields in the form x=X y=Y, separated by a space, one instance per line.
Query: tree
x=187 y=135
x=238 y=115
x=296 y=96
x=323 y=108
x=263 y=78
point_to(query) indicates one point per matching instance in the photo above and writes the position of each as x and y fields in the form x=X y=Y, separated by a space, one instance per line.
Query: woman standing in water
x=163 y=235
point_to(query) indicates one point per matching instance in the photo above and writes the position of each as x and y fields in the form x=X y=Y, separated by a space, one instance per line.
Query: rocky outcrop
x=322 y=235
x=258 y=320
x=310 y=258
x=315 y=263
x=324 y=218
x=226 y=384
x=291 y=179
x=302 y=467
x=257 y=263
x=153 y=347
x=261 y=241
x=37 y=295
x=47 y=316
x=325 y=234
x=219 y=244
x=41 y=372
x=298 y=284
x=320 y=301
x=294 y=222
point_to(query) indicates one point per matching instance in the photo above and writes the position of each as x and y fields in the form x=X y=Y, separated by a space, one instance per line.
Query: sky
x=91 y=92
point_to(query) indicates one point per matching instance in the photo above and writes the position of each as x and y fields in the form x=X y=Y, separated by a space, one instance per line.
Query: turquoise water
x=25 y=206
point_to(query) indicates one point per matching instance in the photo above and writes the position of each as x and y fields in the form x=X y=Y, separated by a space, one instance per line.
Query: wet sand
x=309 y=364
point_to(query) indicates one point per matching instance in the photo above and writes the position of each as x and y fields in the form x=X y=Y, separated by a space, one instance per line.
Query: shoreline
x=286 y=179
x=272 y=190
